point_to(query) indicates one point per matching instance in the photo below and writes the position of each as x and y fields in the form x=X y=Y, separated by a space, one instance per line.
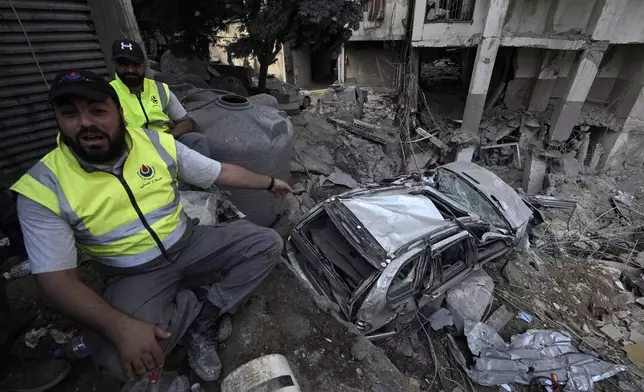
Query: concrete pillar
x=534 y=173
x=546 y=82
x=580 y=79
x=484 y=64
x=341 y=71
x=615 y=141
x=414 y=69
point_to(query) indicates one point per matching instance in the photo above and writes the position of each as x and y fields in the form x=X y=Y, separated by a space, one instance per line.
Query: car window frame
x=507 y=225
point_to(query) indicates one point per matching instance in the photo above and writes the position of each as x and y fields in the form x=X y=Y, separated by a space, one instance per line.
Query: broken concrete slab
x=500 y=318
x=420 y=161
x=534 y=174
x=339 y=177
x=593 y=342
x=640 y=301
x=571 y=167
x=440 y=319
x=612 y=332
x=636 y=337
x=469 y=298
x=597 y=154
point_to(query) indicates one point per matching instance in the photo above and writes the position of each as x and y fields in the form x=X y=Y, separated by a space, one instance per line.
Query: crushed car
x=385 y=251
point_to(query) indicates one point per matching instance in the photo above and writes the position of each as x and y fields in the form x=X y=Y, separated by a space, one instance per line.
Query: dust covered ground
x=559 y=281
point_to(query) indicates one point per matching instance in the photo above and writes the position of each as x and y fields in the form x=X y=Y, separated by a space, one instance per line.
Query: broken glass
x=466 y=195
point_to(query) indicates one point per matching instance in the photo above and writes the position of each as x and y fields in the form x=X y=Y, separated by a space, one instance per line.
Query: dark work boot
x=201 y=341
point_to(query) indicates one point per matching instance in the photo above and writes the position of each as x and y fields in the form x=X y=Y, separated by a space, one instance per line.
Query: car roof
x=502 y=195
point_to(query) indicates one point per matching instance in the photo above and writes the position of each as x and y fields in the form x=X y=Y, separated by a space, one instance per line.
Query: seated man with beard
x=112 y=192
x=150 y=104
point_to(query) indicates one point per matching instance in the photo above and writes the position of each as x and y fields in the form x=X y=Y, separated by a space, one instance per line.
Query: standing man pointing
x=148 y=103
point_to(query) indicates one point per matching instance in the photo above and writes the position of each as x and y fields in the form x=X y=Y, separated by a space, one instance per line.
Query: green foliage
x=265 y=25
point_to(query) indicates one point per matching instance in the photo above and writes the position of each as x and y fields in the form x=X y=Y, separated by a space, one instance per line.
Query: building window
x=440 y=11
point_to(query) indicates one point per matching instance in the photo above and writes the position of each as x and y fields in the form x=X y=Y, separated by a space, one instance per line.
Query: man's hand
x=137 y=345
x=281 y=188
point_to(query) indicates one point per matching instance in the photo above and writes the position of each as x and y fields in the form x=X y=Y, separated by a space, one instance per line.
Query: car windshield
x=460 y=191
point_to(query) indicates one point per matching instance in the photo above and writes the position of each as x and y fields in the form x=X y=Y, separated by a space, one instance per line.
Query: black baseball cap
x=82 y=83
x=127 y=49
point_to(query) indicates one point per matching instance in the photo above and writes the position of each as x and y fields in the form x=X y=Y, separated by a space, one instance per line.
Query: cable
x=33 y=53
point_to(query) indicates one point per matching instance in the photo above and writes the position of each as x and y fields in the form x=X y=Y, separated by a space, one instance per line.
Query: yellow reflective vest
x=120 y=220
x=148 y=108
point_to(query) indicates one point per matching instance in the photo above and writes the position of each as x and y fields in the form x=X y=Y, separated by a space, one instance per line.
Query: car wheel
x=306 y=102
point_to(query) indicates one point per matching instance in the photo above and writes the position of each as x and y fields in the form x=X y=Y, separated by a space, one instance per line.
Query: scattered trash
x=167 y=382
x=525 y=317
x=270 y=373
x=74 y=349
x=535 y=354
x=440 y=319
x=61 y=337
x=209 y=208
x=33 y=337
x=18 y=271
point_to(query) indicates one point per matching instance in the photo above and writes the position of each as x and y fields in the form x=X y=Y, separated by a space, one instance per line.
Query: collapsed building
x=573 y=69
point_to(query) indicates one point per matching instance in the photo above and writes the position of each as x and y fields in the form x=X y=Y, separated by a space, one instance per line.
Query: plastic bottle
x=74 y=349
x=17 y=271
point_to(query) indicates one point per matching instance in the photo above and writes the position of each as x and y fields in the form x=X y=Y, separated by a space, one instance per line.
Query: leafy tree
x=190 y=25
x=267 y=25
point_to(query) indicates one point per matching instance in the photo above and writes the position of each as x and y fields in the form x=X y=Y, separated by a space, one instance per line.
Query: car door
x=452 y=259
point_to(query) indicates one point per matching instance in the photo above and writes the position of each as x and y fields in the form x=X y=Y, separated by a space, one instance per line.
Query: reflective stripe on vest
x=97 y=207
x=149 y=109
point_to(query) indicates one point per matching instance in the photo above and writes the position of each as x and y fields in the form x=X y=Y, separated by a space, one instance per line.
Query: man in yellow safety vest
x=111 y=190
x=148 y=103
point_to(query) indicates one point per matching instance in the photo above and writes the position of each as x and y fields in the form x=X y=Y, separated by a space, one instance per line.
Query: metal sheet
x=396 y=218
x=534 y=354
x=63 y=37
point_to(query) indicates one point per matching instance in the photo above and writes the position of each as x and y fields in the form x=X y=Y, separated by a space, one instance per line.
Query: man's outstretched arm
x=50 y=244
x=238 y=177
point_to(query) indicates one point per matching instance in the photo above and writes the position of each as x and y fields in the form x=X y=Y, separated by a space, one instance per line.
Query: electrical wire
x=33 y=53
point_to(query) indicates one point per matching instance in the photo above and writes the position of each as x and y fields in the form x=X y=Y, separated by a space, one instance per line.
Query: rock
x=513 y=124
x=298 y=189
x=359 y=351
x=636 y=326
x=306 y=201
x=612 y=332
x=571 y=167
x=622 y=314
x=533 y=124
x=593 y=342
x=640 y=301
x=441 y=318
x=406 y=349
x=469 y=298
x=636 y=337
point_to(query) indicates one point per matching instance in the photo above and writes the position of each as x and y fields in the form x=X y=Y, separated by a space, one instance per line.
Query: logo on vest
x=154 y=100
x=146 y=172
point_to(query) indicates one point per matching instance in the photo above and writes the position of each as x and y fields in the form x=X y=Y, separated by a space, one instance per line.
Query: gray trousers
x=156 y=292
x=196 y=141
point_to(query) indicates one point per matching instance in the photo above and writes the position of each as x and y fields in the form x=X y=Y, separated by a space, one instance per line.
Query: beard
x=131 y=79
x=116 y=144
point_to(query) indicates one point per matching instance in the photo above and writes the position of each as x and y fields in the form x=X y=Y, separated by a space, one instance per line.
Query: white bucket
x=270 y=373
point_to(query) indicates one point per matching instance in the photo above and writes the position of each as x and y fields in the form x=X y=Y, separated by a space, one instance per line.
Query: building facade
x=578 y=62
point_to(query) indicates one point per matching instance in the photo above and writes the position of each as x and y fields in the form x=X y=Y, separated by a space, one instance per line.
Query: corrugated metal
x=63 y=37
